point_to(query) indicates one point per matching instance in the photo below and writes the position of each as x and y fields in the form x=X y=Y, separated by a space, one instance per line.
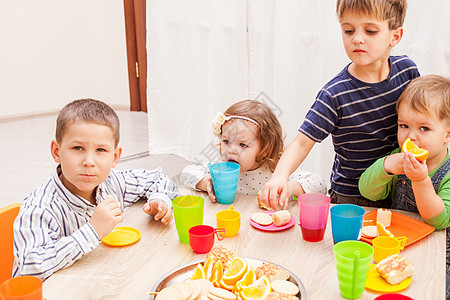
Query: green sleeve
x=375 y=184
x=442 y=220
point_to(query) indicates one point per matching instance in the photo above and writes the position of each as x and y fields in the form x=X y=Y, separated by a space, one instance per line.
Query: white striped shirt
x=52 y=231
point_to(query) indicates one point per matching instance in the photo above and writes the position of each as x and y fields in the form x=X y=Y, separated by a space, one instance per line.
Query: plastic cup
x=225 y=177
x=201 y=237
x=352 y=264
x=187 y=212
x=384 y=246
x=229 y=219
x=346 y=222
x=313 y=217
x=21 y=288
x=392 y=296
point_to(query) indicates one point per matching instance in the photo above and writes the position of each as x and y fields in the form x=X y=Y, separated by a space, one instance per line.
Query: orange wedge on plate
x=235 y=271
x=199 y=273
x=259 y=290
x=382 y=231
x=418 y=153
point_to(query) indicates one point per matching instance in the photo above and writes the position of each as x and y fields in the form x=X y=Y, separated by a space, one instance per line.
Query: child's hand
x=274 y=193
x=393 y=164
x=206 y=185
x=159 y=210
x=106 y=216
x=415 y=170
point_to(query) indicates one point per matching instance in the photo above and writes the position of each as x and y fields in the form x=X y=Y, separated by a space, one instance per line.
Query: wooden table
x=130 y=272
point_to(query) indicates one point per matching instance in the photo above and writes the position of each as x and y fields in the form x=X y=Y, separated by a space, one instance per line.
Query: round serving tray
x=185 y=272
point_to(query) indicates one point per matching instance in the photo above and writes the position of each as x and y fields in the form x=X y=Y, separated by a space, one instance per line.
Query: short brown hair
x=392 y=10
x=87 y=110
x=270 y=133
x=428 y=94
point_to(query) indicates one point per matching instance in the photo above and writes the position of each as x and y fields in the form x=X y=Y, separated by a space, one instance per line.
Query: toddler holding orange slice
x=417 y=175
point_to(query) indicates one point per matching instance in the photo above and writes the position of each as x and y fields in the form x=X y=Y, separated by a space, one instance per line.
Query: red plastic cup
x=21 y=288
x=313 y=210
x=201 y=237
x=393 y=297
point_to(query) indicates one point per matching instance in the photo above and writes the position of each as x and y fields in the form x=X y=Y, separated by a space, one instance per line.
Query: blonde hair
x=269 y=133
x=428 y=94
x=87 y=110
x=392 y=10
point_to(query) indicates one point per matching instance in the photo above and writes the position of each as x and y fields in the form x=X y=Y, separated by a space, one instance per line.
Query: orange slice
x=217 y=272
x=259 y=290
x=418 y=153
x=226 y=286
x=235 y=271
x=199 y=273
x=248 y=279
x=209 y=266
x=382 y=231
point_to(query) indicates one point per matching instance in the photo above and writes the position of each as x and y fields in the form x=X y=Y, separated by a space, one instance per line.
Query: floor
x=26 y=161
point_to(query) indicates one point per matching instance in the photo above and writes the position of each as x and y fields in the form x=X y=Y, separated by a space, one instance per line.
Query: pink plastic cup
x=201 y=237
x=313 y=218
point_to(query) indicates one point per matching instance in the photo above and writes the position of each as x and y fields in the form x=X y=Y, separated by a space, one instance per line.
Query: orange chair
x=7 y=216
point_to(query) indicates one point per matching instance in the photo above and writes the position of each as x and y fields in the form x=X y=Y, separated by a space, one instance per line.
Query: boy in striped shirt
x=357 y=107
x=84 y=198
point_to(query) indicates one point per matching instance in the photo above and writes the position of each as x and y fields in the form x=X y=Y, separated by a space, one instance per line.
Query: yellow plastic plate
x=377 y=283
x=122 y=236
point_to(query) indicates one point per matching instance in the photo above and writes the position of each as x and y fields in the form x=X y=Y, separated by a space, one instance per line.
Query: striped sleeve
x=40 y=248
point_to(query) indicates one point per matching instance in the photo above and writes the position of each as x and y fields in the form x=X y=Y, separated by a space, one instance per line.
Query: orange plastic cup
x=229 y=219
x=384 y=246
x=21 y=288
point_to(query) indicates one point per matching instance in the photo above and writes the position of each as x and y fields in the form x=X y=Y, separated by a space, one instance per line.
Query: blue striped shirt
x=52 y=231
x=361 y=119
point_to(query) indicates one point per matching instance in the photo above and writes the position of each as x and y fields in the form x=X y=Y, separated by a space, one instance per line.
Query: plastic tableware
x=346 y=222
x=384 y=246
x=187 y=212
x=393 y=297
x=352 y=264
x=272 y=227
x=313 y=210
x=122 y=236
x=201 y=237
x=377 y=283
x=21 y=288
x=229 y=219
x=225 y=177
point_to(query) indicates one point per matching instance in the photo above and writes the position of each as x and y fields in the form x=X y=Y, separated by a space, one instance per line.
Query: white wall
x=53 y=52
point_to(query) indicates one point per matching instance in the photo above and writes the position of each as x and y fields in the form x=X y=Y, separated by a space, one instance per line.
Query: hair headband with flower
x=221 y=118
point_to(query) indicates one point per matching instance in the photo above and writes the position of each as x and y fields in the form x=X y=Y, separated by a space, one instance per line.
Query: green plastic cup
x=352 y=264
x=187 y=212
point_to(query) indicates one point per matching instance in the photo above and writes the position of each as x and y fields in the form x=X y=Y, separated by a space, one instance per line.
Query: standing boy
x=357 y=107
x=84 y=198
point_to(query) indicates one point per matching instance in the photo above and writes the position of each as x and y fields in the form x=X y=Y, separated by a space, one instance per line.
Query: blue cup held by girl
x=225 y=177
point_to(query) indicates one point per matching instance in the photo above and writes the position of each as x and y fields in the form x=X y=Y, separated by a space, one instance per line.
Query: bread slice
x=272 y=272
x=395 y=268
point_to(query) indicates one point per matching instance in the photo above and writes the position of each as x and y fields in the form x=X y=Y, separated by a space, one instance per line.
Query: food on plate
x=220 y=252
x=281 y=296
x=259 y=290
x=395 y=268
x=260 y=203
x=280 y=218
x=382 y=231
x=272 y=272
x=384 y=217
x=235 y=271
x=218 y=293
x=418 y=153
x=261 y=218
x=285 y=287
x=370 y=231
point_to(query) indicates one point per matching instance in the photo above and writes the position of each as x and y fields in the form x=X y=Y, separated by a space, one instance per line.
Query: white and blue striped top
x=361 y=119
x=52 y=231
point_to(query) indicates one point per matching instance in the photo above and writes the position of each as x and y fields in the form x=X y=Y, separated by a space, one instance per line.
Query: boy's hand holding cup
x=106 y=216
x=160 y=210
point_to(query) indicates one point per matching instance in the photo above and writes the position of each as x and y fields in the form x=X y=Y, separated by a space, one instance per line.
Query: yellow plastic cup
x=384 y=246
x=229 y=219
x=21 y=288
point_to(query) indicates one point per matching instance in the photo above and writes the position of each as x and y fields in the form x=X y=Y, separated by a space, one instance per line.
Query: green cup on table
x=187 y=212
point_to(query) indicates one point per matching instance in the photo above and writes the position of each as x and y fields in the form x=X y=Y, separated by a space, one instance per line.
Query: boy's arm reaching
x=275 y=191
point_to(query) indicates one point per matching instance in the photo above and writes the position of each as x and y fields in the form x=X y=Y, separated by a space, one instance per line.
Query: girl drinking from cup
x=250 y=135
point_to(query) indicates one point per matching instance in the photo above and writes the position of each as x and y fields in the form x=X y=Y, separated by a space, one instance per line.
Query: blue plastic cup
x=346 y=222
x=225 y=177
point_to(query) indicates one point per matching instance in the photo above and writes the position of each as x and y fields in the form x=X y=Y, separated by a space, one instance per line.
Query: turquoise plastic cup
x=346 y=222
x=187 y=212
x=225 y=177
x=353 y=260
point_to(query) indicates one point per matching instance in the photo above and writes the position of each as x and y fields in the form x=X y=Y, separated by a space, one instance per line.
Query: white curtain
x=205 y=55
